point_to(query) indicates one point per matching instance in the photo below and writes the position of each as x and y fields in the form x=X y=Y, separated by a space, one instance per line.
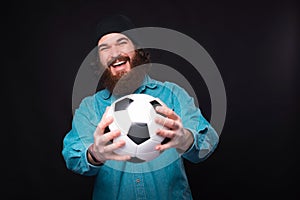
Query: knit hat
x=113 y=24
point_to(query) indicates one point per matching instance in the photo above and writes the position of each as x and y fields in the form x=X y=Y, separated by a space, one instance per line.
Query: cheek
x=129 y=50
x=103 y=60
x=131 y=54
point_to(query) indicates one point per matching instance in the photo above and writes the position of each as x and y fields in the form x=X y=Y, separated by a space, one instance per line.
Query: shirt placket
x=138 y=182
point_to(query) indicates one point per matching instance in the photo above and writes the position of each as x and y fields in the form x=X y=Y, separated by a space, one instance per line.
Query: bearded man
x=87 y=147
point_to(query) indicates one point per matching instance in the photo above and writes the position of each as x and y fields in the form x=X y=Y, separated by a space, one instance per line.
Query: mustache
x=118 y=58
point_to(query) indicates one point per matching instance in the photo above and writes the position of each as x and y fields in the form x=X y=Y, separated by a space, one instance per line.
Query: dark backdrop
x=255 y=45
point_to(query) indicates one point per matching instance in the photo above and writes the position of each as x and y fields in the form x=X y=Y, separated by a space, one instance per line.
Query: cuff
x=87 y=161
x=193 y=146
x=194 y=153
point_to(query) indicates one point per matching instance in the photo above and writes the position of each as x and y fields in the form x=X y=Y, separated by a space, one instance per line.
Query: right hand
x=103 y=149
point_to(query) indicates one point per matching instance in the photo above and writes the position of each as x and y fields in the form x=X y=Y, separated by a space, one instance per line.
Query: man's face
x=116 y=52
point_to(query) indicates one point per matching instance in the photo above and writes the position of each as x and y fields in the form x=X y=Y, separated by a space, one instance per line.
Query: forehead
x=111 y=38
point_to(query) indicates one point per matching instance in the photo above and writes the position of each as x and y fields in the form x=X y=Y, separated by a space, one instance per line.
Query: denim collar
x=147 y=83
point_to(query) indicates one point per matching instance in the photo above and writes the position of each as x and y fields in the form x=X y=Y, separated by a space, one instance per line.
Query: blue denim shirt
x=162 y=178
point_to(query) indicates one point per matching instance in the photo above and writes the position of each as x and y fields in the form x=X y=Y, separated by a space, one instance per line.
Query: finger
x=105 y=121
x=167 y=112
x=118 y=157
x=114 y=146
x=106 y=111
x=162 y=147
x=165 y=133
x=169 y=123
x=106 y=138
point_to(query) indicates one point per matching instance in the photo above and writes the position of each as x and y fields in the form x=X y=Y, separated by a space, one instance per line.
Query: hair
x=142 y=57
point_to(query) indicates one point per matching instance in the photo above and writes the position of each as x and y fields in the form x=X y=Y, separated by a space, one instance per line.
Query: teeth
x=119 y=63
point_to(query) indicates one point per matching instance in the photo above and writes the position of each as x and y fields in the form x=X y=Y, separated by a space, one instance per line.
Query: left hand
x=180 y=138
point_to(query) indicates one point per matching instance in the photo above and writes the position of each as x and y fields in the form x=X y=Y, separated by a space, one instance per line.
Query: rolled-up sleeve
x=205 y=137
x=79 y=138
x=205 y=142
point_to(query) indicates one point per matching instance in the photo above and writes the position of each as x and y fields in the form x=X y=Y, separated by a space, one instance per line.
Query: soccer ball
x=134 y=116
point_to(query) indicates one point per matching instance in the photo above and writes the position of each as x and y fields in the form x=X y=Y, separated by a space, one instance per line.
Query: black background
x=255 y=45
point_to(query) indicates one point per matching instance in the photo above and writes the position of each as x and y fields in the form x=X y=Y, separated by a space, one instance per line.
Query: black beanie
x=113 y=24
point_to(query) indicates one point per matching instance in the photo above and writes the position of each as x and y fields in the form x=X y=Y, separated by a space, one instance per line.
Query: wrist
x=189 y=140
x=92 y=158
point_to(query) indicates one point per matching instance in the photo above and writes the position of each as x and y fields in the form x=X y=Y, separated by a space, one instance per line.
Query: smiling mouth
x=119 y=63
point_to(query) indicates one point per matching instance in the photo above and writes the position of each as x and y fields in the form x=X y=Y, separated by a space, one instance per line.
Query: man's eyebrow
x=122 y=38
x=102 y=45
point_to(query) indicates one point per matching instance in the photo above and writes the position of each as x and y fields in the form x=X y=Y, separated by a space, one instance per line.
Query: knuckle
x=101 y=139
x=170 y=134
x=96 y=140
x=159 y=120
x=118 y=144
x=173 y=123
x=102 y=150
x=100 y=124
x=99 y=128
x=105 y=138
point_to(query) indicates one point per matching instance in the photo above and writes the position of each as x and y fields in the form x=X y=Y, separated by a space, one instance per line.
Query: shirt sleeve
x=205 y=137
x=79 y=138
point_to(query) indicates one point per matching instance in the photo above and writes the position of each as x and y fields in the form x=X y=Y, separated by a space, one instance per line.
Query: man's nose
x=115 y=51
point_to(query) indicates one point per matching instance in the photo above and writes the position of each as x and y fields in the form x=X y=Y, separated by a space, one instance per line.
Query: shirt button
x=138 y=180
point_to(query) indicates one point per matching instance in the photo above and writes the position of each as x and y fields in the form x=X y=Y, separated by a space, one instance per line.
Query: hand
x=102 y=149
x=180 y=138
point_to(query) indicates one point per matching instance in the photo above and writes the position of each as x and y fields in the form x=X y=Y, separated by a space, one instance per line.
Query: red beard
x=127 y=82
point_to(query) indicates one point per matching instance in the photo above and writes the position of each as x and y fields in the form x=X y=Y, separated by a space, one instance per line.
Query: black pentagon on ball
x=136 y=160
x=155 y=103
x=138 y=132
x=165 y=141
x=123 y=104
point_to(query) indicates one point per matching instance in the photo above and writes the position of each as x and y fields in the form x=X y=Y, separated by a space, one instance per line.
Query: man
x=88 y=149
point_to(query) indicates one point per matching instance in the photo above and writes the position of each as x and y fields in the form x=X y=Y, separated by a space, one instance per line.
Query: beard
x=124 y=83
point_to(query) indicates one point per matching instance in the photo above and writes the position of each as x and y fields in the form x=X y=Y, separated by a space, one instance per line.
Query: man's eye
x=103 y=48
x=122 y=43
